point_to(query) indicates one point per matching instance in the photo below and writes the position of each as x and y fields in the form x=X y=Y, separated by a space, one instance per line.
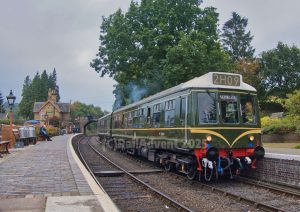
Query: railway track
x=264 y=197
x=179 y=188
x=128 y=191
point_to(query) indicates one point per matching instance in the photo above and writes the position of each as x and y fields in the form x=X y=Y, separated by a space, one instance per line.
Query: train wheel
x=169 y=166
x=192 y=173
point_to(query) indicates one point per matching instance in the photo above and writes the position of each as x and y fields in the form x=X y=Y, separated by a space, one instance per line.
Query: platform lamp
x=11 y=101
x=46 y=118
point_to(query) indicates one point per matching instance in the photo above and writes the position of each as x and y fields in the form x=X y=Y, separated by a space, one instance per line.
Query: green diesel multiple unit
x=206 y=127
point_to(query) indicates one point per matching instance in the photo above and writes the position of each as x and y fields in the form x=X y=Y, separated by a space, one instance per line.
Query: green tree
x=26 y=104
x=236 y=41
x=292 y=104
x=2 y=109
x=52 y=83
x=280 y=70
x=144 y=45
x=79 y=109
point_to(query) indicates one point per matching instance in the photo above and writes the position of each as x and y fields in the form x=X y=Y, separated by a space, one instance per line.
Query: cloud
x=37 y=35
x=270 y=21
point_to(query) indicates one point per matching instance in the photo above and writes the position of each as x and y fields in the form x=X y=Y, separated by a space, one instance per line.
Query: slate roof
x=64 y=107
x=37 y=106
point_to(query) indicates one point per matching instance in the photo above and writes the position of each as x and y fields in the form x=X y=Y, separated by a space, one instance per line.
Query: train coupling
x=207 y=163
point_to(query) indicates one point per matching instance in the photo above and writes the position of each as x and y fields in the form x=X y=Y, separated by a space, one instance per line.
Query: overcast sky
x=43 y=34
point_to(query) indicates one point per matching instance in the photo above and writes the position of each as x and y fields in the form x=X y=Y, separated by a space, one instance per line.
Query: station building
x=51 y=109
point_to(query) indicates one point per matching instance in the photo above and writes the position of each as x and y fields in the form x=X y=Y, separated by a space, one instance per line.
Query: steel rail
x=176 y=204
x=256 y=204
x=233 y=196
x=86 y=165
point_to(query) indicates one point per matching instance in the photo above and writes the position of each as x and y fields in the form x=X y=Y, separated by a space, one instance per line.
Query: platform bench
x=6 y=143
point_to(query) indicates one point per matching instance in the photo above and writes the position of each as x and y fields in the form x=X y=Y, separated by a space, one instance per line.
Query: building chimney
x=52 y=95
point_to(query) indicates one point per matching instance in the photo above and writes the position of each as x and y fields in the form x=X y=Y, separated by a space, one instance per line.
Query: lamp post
x=11 y=101
x=46 y=118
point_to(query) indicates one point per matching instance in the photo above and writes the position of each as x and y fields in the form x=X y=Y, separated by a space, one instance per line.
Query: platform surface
x=283 y=153
x=47 y=175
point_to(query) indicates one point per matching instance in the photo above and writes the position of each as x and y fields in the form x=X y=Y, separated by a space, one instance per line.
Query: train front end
x=226 y=125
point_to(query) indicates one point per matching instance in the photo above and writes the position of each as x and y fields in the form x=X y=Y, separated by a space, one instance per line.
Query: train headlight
x=251 y=138
x=208 y=138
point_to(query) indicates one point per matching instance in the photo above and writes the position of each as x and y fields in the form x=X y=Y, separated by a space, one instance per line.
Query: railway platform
x=48 y=176
x=283 y=153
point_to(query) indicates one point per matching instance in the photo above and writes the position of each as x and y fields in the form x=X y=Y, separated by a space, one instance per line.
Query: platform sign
x=226 y=79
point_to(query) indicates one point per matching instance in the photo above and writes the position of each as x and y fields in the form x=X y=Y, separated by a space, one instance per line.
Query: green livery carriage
x=206 y=127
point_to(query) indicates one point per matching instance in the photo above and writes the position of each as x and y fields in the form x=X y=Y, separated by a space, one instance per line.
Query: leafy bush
x=278 y=126
x=52 y=131
x=267 y=121
x=297 y=146
x=292 y=103
x=15 y=121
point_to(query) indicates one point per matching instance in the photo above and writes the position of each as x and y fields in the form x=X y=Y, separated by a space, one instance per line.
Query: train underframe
x=202 y=163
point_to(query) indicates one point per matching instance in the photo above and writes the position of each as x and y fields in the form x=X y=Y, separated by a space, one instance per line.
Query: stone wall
x=286 y=138
x=277 y=171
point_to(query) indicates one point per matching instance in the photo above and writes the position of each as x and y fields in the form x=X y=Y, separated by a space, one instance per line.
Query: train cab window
x=229 y=108
x=156 y=115
x=170 y=113
x=248 y=112
x=207 y=107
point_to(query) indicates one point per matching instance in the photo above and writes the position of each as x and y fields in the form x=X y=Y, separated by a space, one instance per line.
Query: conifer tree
x=36 y=90
x=2 y=109
x=236 y=41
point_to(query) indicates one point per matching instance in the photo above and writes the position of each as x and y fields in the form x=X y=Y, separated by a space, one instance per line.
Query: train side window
x=156 y=115
x=135 y=119
x=129 y=119
x=126 y=120
x=182 y=110
x=170 y=113
x=122 y=122
x=142 y=117
x=148 y=115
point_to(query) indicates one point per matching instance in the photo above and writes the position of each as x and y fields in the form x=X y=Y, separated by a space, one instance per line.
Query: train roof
x=205 y=82
x=105 y=116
